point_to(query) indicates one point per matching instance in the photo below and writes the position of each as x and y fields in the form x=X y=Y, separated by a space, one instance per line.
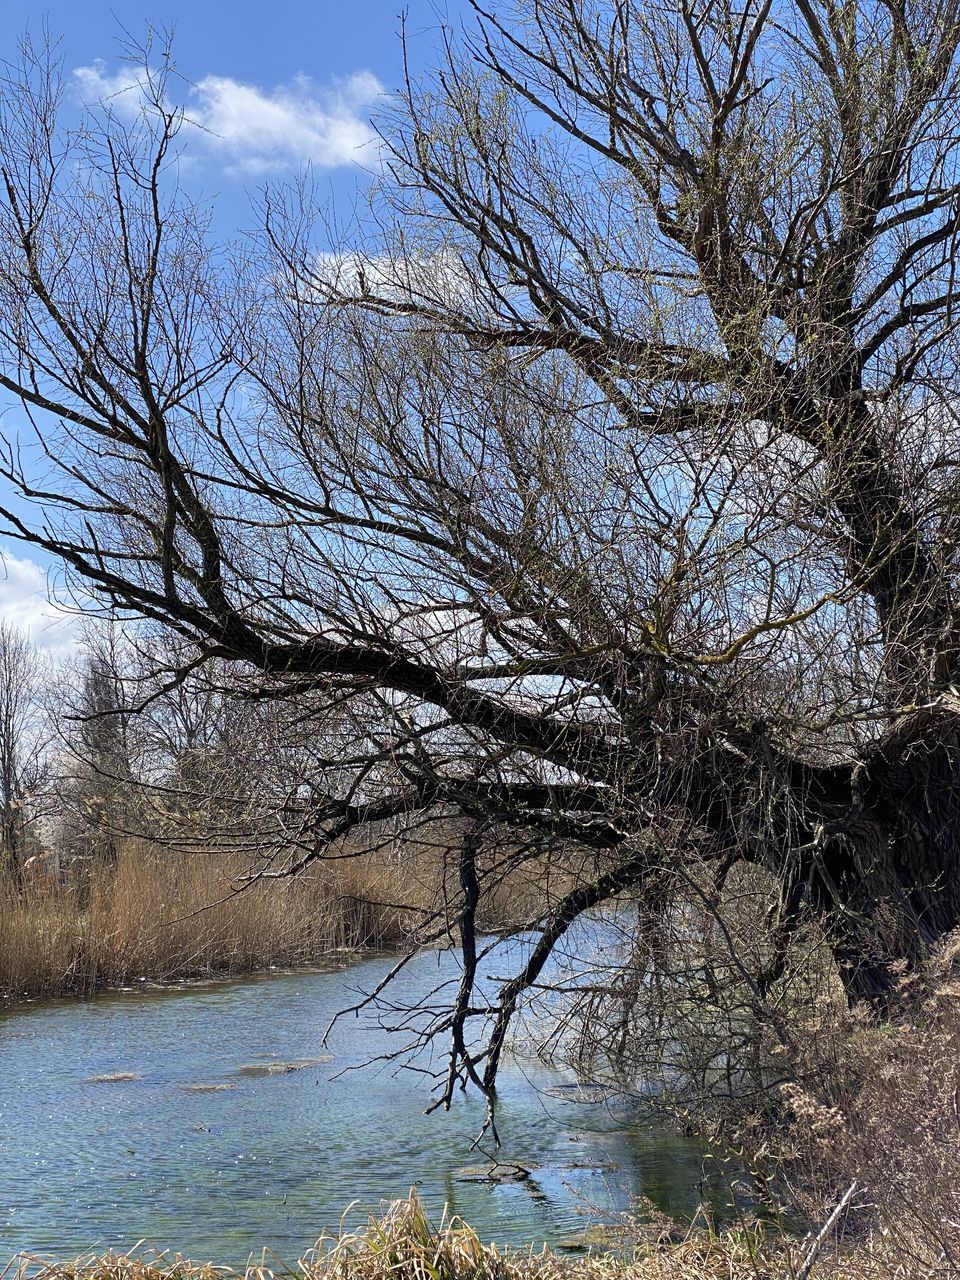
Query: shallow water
x=217 y=1173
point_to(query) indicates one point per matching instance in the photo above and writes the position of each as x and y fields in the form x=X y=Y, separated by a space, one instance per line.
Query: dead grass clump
x=148 y=1266
x=404 y=1245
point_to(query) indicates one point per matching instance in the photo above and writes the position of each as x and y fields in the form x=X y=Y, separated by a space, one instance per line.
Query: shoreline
x=404 y=1244
x=331 y=962
x=169 y=919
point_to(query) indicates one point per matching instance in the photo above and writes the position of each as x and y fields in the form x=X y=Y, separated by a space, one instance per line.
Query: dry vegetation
x=877 y=1107
x=403 y=1245
x=169 y=915
x=808 y=1103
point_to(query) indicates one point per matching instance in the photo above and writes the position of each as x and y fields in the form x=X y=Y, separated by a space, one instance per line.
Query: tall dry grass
x=165 y=916
x=170 y=914
x=404 y=1245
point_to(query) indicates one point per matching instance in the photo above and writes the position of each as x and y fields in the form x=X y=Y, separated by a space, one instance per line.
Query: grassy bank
x=166 y=916
x=403 y=1245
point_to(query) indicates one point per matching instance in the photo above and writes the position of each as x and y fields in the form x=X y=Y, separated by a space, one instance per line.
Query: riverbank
x=404 y=1245
x=167 y=916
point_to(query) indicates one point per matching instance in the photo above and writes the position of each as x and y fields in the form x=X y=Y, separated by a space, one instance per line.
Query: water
x=277 y=1158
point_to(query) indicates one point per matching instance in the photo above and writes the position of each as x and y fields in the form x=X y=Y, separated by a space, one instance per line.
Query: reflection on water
x=229 y=1127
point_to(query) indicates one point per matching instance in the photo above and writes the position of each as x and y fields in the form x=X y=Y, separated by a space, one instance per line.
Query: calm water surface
x=276 y=1159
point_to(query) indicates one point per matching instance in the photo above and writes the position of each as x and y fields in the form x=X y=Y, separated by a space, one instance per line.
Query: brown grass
x=403 y=1245
x=167 y=916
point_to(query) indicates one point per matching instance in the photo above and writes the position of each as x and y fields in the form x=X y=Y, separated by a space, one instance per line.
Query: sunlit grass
x=165 y=916
x=403 y=1244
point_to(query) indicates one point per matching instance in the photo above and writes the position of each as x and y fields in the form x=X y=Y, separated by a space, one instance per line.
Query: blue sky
x=266 y=43
x=273 y=83
x=270 y=75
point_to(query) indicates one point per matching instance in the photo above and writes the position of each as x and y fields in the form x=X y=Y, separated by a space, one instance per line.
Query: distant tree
x=23 y=763
x=215 y=764
x=155 y=747
x=618 y=469
x=98 y=804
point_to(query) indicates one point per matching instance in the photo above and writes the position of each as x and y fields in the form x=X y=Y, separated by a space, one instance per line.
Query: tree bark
x=886 y=879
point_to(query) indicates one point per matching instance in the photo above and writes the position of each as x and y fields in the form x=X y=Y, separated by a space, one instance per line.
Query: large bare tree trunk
x=886 y=876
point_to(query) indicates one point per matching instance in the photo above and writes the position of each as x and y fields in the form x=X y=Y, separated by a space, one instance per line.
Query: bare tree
x=217 y=765
x=96 y=792
x=609 y=488
x=185 y=758
x=22 y=745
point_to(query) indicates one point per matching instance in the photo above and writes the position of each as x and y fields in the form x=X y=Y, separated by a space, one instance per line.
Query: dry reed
x=168 y=916
x=403 y=1245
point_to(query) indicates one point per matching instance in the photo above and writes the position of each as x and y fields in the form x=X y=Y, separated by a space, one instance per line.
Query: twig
x=814 y=1251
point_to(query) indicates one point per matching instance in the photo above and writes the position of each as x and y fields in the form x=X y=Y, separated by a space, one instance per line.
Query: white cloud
x=258 y=130
x=438 y=279
x=121 y=90
x=26 y=602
